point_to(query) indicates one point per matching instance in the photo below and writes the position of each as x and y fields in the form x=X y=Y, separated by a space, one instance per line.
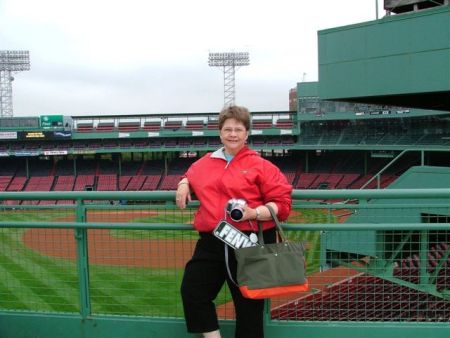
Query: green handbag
x=270 y=270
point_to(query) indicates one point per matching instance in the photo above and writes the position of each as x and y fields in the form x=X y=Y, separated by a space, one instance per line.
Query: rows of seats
x=129 y=126
x=17 y=183
x=135 y=183
x=197 y=141
x=106 y=182
x=151 y=182
x=64 y=183
x=4 y=182
x=347 y=180
x=365 y=298
x=306 y=180
x=418 y=131
x=38 y=183
x=362 y=297
x=170 y=182
x=152 y=125
x=383 y=138
x=408 y=269
x=326 y=172
x=290 y=176
x=194 y=125
x=83 y=182
x=342 y=181
x=262 y=124
x=154 y=182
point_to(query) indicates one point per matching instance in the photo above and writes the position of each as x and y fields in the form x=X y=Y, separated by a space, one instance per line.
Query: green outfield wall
x=400 y=60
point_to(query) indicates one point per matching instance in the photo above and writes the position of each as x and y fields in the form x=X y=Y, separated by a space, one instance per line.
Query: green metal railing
x=109 y=264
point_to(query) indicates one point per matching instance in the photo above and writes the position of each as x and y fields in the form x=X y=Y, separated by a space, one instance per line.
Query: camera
x=235 y=207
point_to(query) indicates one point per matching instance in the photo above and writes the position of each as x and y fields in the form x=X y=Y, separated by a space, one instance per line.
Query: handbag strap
x=227 y=263
x=277 y=224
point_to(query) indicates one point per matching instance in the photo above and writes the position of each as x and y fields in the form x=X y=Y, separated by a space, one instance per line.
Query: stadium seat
x=174 y=125
x=84 y=127
x=169 y=182
x=64 y=183
x=151 y=182
x=194 y=125
x=347 y=180
x=136 y=183
x=363 y=298
x=84 y=182
x=17 y=184
x=124 y=180
x=106 y=182
x=152 y=125
x=284 y=124
x=262 y=124
x=213 y=124
x=305 y=180
x=105 y=126
x=129 y=126
x=185 y=142
x=4 y=182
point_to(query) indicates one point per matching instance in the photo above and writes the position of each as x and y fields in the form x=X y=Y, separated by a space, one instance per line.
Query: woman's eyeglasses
x=235 y=130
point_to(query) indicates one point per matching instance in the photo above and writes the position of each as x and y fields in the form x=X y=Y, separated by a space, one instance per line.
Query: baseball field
x=131 y=272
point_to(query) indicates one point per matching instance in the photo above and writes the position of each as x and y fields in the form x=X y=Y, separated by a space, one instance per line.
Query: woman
x=233 y=171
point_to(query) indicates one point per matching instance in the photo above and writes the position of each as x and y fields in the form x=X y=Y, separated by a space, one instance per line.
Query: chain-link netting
x=136 y=253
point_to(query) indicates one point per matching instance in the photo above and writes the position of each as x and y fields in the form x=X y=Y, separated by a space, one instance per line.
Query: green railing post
x=423 y=258
x=82 y=259
x=323 y=255
x=267 y=315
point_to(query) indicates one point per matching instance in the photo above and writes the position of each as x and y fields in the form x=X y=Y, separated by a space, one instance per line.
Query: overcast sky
x=145 y=56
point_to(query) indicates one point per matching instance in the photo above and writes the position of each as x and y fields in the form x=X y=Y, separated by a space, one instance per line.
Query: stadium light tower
x=229 y=62
x=10 y=61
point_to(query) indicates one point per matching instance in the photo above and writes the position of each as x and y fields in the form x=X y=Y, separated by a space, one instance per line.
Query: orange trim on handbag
x=272 y=292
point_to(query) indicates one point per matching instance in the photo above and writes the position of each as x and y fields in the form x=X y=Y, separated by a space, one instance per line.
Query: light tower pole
x=10 y=61
x=229 y=62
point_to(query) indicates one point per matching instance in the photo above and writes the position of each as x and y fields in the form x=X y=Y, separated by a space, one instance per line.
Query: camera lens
x=235 y=208
x=236 y=214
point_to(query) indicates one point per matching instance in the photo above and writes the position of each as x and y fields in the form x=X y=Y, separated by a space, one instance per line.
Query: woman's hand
x=260 y=213
x=183 y=194
x=249 y=214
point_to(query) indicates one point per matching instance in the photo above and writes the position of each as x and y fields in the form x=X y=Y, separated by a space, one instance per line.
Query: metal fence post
x=82 y=259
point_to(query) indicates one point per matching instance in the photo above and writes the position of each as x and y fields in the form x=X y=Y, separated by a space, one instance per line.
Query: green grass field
x=37 y=282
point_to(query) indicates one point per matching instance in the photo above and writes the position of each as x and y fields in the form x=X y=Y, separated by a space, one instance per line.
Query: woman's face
x=233 y=136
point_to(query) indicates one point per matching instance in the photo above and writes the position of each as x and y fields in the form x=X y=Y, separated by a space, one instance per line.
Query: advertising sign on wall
x=8 y=135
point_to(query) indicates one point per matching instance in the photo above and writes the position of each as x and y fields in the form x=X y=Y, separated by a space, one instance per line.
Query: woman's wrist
x=262 y=212
x=257 y=213
x=183 y=182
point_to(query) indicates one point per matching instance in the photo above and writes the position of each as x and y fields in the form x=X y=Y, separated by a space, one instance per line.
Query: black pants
x=203 y=278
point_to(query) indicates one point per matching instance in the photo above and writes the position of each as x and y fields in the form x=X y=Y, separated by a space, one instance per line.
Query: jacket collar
x=220 y=153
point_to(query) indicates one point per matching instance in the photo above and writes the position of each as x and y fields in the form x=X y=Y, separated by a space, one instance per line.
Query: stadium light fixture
x=229 y=62
x=11 y=61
